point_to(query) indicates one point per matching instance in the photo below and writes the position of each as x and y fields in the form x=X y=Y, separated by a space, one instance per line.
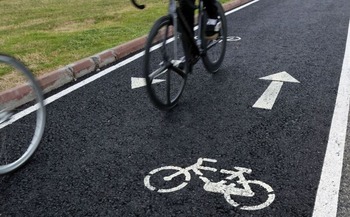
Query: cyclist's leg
x=215 y=47
x=186 y=7
x=213 y=25
x=212 y=9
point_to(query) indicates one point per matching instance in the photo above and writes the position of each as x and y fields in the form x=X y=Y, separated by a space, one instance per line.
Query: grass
x=49 y=34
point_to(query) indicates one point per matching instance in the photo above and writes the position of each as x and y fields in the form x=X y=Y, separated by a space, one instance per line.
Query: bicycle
x=172 y=50
x=22 y=114
x=231 y=191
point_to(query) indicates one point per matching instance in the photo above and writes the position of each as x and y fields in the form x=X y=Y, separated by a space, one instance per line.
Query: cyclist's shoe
x=212 y=29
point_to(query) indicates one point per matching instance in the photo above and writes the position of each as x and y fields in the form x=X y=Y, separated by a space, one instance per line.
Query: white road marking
x=268 y=98
x=281 y=76
x=141 y=82
x=328 y=189
x=226 y=186
x=241 y=7
x=233 y=38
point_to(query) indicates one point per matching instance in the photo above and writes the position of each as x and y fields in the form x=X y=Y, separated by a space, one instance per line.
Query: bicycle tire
x=215 y=49
x=22 y=115
x=165 y=78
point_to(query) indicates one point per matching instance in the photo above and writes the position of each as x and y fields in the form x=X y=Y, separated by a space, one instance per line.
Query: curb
x=72 y=72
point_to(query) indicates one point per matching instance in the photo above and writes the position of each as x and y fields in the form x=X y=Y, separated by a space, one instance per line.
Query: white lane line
x=241 y=7
x=328 y=189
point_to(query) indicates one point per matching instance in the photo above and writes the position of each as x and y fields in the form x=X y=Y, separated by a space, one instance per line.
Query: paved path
x=104 y=141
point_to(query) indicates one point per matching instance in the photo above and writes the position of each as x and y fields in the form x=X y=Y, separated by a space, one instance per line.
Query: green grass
x=49 y=34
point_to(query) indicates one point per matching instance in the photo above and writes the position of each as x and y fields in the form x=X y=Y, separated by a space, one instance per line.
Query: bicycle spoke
x=158 y=72
x=213 y=43
x=179 y=71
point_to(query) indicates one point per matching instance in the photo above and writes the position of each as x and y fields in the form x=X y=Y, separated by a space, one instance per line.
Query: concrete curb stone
x=130 y=47
x=82 y=67
x=104 y=58
x=56 y=78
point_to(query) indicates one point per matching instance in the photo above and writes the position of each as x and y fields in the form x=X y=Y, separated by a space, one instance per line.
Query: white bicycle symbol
x=222 y=187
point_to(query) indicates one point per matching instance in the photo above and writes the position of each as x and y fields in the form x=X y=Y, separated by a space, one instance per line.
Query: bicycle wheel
x=22 y=114
x=214 y=49
x=165 y=64
x=164 y=185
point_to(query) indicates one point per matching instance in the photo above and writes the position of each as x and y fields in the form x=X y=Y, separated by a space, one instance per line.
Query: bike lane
x=96 y=154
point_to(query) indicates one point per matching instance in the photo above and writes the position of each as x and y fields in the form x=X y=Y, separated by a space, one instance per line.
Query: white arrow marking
x=141 y=82
x=268 y=98
x=282 y=76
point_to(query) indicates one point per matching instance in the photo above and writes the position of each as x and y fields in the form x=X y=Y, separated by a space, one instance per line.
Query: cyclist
x=213 y=25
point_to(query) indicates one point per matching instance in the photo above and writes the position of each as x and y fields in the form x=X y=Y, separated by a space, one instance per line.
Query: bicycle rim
x=215 y=49
x=22 y=114
x=165 y=70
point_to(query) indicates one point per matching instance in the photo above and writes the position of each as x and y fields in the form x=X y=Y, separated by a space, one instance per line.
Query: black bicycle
x=22 y=114
x=172 y=49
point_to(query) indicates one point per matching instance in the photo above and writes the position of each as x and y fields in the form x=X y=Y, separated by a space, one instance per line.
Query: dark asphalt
x=104 y=138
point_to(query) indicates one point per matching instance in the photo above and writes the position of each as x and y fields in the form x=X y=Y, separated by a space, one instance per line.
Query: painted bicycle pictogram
x=230 y=190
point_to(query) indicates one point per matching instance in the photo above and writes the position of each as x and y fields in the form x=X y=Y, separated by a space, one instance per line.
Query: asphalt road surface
x=106 y=148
